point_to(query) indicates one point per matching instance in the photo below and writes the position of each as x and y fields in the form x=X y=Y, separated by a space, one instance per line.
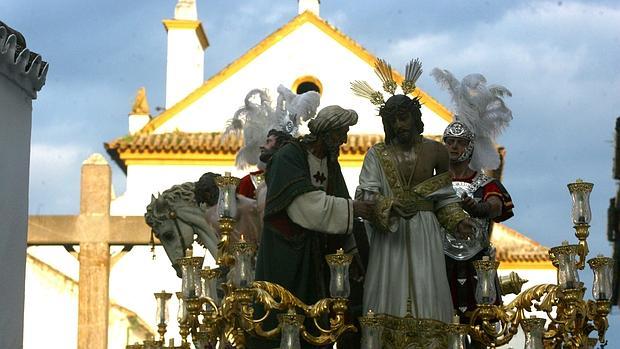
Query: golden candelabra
x=227 y=322
x=570 y=317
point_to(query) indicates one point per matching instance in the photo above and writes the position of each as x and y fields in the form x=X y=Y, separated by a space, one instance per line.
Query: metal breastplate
x=465 y=249
x=257 y=179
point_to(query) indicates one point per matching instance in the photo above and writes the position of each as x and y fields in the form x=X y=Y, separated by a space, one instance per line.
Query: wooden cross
x=319 y=177
x=94 y=230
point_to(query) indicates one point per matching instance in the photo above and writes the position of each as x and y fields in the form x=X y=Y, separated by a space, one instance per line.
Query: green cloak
x=290 y=255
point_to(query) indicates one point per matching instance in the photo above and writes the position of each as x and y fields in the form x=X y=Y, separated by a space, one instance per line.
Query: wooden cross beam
x=94 y=230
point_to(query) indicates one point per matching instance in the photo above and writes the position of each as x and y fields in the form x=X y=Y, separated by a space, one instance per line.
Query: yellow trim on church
x=537 y=265
x=177 y=158
x=275 y=37
x=188 y=24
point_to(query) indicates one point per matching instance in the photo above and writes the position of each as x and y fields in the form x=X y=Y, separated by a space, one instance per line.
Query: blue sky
x=557 y=57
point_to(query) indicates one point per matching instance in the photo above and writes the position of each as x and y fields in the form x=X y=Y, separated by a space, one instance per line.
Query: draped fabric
x=406 y=263
x=290 y=254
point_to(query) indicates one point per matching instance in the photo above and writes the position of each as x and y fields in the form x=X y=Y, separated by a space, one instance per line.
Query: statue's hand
x=363 y=209
x=465 y=229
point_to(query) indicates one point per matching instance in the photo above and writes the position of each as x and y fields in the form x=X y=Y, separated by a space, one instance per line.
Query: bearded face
x=403 y=127
x=334 y=139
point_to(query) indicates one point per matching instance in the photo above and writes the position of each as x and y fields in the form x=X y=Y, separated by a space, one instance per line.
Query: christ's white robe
x=406 y=263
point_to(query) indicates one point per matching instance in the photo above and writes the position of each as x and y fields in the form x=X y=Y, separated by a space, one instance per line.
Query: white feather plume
x=257 y=117
x=303 y=106
x=482 y=109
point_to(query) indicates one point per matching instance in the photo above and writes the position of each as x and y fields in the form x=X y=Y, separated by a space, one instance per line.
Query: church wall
x=50 y=312
x=51 y=308
x=305 y=51
x=15 y=118
x=145 y=180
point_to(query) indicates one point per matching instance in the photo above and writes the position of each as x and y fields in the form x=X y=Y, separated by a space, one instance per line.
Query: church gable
x=306 y=48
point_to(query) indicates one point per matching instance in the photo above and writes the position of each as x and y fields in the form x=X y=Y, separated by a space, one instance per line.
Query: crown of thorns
x=384 y=71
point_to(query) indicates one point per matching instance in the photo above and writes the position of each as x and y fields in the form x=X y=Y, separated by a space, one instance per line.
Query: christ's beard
x=404 y=137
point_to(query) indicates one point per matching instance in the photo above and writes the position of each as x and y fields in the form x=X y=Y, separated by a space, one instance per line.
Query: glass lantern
x=227 y=203
x=190 y=279
x=457 y=334
x=566 y=258
x=339 y=273
x=182 y=312
x=162 y=299
x=371 y=330
x=603 y=275
x=580 y=193
x=208 y=280
x=290 y=324
x=533 y=328
x=486 y=270
x=242 y=275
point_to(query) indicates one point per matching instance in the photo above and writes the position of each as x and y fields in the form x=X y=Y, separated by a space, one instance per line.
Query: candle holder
x=162 y=299
x=242 y=273
x=371 y=330
x=182 y=318
x=564 y=258
x=581 y=215
x=339 y=262
x=227 y=211
x=534 y=329
x=290 y=324
x=227 y=200
x=190 y=279
x=603 y=277
x=457 y=334
x=486 y=270
x=208 y=279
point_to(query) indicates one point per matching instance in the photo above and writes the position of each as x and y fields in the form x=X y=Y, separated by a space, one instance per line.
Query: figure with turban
x=308 y=212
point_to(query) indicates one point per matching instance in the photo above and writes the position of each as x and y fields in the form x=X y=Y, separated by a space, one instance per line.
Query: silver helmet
x=457 y=129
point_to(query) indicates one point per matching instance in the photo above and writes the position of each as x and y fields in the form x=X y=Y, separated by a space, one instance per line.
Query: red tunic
x=246 y=185
x=493 y=188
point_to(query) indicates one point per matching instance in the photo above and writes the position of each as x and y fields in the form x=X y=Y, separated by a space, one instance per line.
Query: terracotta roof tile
x=213 y=143
x=511 y=246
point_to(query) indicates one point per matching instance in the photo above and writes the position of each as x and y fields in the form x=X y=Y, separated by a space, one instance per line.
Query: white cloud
x=550 y=38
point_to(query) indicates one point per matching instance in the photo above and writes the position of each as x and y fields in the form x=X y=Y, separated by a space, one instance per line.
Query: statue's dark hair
x=281 y=137
x=396 y=105
x=206 y=190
